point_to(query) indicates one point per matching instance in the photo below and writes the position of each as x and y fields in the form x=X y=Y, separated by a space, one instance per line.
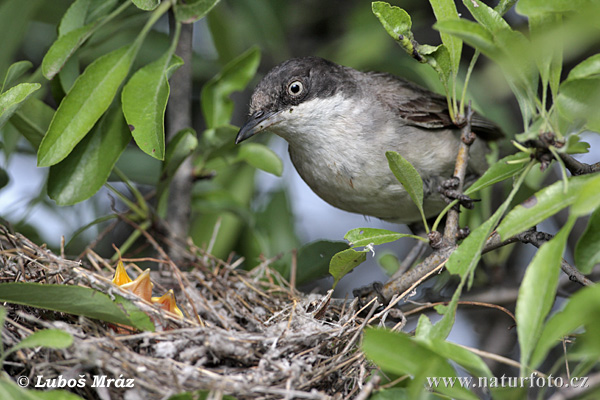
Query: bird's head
x=286 y=99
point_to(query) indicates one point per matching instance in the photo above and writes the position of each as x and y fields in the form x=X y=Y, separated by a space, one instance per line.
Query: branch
x=578 y=168
x=179 y=113
x=460 y=170
x=545 y=156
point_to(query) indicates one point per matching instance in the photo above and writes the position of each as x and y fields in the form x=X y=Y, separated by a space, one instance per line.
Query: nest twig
x=254 y=336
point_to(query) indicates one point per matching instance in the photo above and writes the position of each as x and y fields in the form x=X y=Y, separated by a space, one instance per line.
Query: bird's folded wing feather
x=421 y=107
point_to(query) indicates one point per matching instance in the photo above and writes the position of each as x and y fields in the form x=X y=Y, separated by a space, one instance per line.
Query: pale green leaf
x=192 y=10
x=360 y=237
x=13 y=98
x=217 y=107
x=486 y=16
x=587 y=250
x=408 y=176
x=537 y=292
x=395 y=20
x=579 y=99
x=63 y=48
x=344 y=262
x=581 y=309
x=261 y=157
x=50 y=338
x=588 y=68
x=588 y=199
x=15 y=71
x=146 y=5
x=74 y=17
x=499 y=171
x=541 y=205
x=389 y=351
x=445 y=10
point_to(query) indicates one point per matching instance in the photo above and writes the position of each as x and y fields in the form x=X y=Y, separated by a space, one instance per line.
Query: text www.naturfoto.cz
x=532 y=381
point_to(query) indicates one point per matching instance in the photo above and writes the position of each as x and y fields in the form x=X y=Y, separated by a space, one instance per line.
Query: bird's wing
x=421 y=107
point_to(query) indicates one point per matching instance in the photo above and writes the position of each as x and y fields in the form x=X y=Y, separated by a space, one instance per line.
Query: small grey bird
x=340 y=122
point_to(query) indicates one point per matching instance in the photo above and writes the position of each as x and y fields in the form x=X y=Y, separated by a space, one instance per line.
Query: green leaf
x=537 y=7
x=89 y=98
x=389 y=351
x=537 y=291
x=217 y=107
x=541 y=205
x=471 y=32
x=99 y=8
x=581 y=309
x=446 y=10
x=587 y=250
x=15 y=71
x=575 y=145
x=314 y=259
x=579 y=99
x=193 y=10
x=463 y=357
x=344 y=262
x=84 y=171
x=76 y=300
x=33 y=120
x=179 y=148
x=588 y=199
x=74 y=17
x=261 y=157
x=504 y=5
x=440 y=61
x=63 y=48
x=547 y=48
x=588 y=68
x=395 y=20
x=145 y=99
x=486 y=16
x=389 y=263
x=12 y=99
x=72 y=35
x=50 y=338
x=408 y=176
x=510 y=49
x=146 y=5
x=499 y=171
x=360 y=237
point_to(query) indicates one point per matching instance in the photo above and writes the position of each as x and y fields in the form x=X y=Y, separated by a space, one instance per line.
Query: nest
x=246 y=334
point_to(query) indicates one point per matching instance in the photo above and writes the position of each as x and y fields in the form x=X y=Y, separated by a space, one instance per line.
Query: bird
x=340 y=122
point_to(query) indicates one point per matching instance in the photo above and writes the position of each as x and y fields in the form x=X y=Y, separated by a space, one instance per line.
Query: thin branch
x=578 y=168
x=460 y=170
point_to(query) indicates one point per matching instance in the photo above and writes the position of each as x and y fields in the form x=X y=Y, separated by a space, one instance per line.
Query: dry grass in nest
x=253 y=337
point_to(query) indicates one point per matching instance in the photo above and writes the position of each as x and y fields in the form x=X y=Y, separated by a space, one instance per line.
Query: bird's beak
x=257 y=122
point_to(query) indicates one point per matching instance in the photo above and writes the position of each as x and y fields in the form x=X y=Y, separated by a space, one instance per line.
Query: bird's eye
x=295 y=88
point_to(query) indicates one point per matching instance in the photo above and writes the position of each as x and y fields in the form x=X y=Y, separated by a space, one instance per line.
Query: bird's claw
x=449 y=191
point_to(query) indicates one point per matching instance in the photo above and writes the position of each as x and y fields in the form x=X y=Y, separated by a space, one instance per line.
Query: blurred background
x=280 y=213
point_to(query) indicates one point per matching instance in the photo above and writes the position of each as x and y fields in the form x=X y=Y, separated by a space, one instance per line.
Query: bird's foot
x=449 y=191
x=375 y=287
